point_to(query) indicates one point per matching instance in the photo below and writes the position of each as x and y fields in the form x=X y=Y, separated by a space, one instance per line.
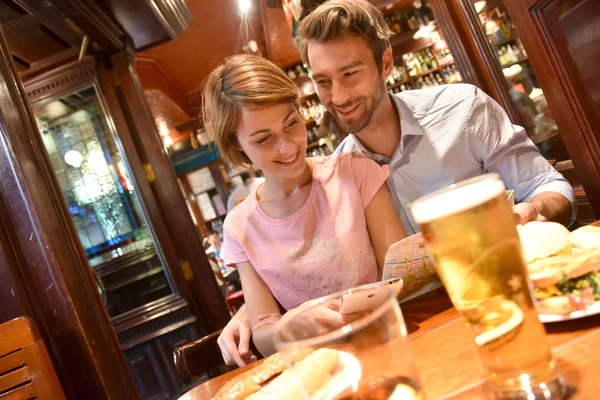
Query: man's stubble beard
x=365 y=118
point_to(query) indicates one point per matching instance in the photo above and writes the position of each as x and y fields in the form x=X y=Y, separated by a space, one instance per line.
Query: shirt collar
x=408 y=125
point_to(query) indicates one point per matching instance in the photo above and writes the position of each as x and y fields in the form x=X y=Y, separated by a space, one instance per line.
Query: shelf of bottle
x=422 y=75
x=310 y=122
x=313 y=145
x=522 y=60
x=506 y=41
x=307 y=97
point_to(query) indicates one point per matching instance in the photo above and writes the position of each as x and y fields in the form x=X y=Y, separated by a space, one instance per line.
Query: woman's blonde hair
x=336 y=18
x=241 y=82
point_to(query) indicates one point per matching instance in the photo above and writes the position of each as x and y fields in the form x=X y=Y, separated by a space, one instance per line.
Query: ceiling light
x=73 y=158
x=479 y=6
x=167 y=141
x=245 y=5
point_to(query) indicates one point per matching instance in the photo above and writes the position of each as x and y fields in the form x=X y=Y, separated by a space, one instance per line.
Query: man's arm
x=545 y=206
x=505 y=148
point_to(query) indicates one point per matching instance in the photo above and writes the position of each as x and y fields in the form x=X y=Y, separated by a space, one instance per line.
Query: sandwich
x=563 y=266
x=567 y=282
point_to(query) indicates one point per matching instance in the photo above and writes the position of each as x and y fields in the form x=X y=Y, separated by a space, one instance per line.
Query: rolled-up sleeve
x=505 y=148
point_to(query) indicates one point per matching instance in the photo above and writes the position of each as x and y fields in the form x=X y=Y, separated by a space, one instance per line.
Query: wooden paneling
x=145 y=367
x=139 y=22
x=30 y=41
x=60 y=81
x=46 y=260
x=153 y=367
x=169 y=343
x=563 y=41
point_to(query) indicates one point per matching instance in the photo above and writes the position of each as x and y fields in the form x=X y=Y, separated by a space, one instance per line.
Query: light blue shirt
x=455 y=132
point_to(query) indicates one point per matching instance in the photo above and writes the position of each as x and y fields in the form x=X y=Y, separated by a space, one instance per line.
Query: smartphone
x=365 y=298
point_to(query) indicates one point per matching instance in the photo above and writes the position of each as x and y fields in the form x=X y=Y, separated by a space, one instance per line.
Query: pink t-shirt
x=323 y=247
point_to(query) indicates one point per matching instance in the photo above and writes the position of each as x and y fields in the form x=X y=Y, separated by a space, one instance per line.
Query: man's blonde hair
x=336 y=18
x=241 y=82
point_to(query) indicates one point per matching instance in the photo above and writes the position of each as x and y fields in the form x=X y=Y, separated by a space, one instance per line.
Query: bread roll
x=252 y=381
x=586 y=237
x=306 y=376
x=543 y=239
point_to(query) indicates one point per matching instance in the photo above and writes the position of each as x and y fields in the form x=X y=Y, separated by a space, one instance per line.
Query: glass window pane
x=102 y=200
x=524 y=90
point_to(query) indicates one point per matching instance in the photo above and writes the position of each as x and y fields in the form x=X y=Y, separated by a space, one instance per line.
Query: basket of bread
x=564 y=268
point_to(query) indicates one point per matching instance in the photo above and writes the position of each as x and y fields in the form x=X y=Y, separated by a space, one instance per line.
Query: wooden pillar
x=44 y=272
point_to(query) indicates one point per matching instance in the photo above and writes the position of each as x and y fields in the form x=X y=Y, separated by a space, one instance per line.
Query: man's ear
x=387 y=62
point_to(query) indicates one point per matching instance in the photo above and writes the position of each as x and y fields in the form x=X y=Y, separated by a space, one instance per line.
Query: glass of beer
x=352 y=345
x=470 y=230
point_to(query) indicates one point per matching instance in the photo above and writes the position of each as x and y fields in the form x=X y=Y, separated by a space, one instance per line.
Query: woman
x=315 y=226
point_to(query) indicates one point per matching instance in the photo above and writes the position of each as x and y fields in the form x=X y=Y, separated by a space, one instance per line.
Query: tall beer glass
x=470 y=230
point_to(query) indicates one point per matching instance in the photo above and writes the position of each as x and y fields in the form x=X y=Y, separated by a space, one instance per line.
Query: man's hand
x=525 y=212
x=545 y=206
x=234 y=341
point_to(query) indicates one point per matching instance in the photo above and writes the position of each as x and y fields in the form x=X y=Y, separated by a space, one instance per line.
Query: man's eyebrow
x=352 y=64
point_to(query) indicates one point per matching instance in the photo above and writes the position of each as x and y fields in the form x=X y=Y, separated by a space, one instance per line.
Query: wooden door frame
x=53 y=272
x=560 y=88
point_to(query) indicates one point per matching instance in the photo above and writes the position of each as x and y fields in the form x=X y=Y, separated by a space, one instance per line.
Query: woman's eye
x=263 y=140
x=291 y=124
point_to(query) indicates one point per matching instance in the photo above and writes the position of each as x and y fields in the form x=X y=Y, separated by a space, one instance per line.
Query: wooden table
x=447 y=360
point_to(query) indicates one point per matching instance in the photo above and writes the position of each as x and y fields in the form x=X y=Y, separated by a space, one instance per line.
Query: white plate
x=591 y=310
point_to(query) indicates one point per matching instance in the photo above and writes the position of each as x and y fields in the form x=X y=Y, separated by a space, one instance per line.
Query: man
x=429 y=138
x=242 y=191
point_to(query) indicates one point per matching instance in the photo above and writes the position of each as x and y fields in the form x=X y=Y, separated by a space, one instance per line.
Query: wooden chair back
x=200 y=357
x=26 y=371
x=203 y=357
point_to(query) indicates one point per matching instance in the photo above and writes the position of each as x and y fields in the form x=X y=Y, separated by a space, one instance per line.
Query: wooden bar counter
x=447 y=360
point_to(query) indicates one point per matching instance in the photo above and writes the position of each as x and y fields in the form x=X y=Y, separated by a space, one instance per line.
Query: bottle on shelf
x=457 y=76
x=427 y=13
x=412 y=20
x=194 y=140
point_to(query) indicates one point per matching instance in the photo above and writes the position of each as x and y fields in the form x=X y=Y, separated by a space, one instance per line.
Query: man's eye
x=322 y=82
x=350 y=73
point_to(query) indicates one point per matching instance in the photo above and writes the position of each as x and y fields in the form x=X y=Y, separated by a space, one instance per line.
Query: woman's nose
x=286 y=145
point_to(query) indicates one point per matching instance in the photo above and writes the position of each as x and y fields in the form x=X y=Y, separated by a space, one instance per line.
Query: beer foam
x=448 y=202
